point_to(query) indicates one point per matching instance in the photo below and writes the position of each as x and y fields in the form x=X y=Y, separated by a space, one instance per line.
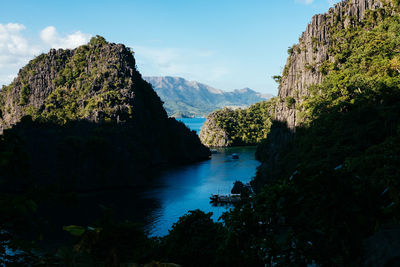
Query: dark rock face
x=92 y=122
x=303 y=65
x=87 y=156
x=278 y=143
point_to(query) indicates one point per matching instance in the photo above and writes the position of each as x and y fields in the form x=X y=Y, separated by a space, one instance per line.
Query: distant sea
x=193 y=123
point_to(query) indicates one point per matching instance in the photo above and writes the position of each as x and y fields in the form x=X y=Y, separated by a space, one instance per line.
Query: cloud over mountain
x=50 y=36
x=16 y=49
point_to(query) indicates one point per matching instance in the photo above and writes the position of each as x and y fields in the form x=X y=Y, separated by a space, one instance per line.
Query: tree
x=194 y=240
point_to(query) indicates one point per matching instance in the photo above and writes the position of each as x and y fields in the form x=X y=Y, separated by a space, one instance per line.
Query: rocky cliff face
x=95 y=82
x=307 y=66
x=303 y=66
x=212 y=135
x=93 y=121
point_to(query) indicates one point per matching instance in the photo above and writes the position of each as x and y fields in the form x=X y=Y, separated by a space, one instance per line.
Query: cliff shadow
x=277 y=144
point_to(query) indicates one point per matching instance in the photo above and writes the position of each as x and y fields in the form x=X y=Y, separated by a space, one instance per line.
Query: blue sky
x=227 y=44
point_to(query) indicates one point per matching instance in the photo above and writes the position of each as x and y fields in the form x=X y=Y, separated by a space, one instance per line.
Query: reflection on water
x=189 y=187
x=167 y=195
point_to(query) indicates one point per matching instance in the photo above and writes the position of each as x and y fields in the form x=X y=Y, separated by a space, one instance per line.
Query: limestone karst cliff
x=85 y=119
x=307 y=65
x=322 y=50
x=96 y=82
x=304 y=66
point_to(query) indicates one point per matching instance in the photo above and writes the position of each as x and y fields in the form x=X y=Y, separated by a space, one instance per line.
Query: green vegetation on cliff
x=92 y=82
x=237 y=127
x=366 y=63
x=336 y=183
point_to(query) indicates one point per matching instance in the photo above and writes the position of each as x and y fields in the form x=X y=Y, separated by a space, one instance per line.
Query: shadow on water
x=168 y=194
x=165 y=195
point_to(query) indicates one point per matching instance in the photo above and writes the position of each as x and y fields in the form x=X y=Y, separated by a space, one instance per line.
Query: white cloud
x=50 y=36
x=16 y=49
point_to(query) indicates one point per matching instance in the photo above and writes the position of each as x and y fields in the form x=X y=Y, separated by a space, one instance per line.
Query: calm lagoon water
x=189 y=187
x=168 y=194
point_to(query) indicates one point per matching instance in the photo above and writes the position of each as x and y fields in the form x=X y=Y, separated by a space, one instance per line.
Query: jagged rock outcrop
x=237 y=127
x=212 y=135
x=85 y=119
x=95 y=82
x=303 y=66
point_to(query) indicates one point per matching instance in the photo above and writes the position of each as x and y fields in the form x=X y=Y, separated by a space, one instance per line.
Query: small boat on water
x=225 y=199
x=214 y=151
x=235 y=156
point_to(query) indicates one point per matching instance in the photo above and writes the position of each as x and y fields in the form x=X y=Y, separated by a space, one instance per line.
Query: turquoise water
x=189 y=187
x=193 y=123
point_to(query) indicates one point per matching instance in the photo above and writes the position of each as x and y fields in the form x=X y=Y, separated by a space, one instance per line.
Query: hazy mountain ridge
x=190 y=98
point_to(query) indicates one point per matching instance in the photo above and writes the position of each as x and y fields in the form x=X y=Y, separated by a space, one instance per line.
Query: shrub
x=24 y=94
x=290 y=101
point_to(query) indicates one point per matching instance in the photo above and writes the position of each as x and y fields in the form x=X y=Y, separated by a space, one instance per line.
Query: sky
x=227 y=44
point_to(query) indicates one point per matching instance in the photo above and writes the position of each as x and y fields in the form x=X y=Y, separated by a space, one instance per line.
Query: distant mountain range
x=183 y=98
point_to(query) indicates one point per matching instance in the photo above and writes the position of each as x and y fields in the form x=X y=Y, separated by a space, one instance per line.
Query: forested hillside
x=183 y=98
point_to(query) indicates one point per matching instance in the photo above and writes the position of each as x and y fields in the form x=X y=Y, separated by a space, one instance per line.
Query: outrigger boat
x=225 y=199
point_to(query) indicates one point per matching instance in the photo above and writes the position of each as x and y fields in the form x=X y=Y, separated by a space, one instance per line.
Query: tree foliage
x=247 y=126
x=338 y=183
